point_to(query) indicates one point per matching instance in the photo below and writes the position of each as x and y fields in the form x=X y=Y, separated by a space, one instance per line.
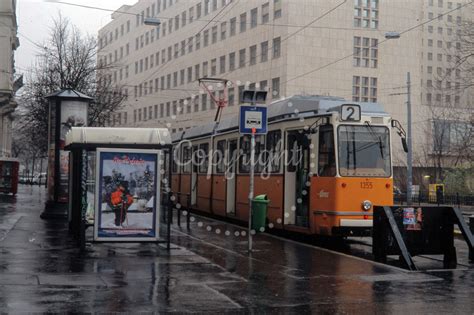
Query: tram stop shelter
x=119 y=183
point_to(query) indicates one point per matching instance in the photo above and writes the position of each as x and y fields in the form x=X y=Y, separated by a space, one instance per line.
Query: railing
x=446 y=199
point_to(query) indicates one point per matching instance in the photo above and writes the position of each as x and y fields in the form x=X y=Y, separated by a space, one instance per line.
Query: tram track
x=360 y=247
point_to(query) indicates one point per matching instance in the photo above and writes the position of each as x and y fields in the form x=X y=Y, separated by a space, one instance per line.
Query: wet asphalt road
x=41 y=270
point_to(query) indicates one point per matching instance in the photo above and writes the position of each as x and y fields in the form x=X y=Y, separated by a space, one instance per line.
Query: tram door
x=296 y=176
x=231 y=179
x=194 y=176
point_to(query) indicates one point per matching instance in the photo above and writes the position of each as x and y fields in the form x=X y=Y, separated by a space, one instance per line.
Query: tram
x=9 y=175
x=324 y=163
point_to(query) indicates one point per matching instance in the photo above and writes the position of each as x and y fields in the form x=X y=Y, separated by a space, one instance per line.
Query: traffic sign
x=253 y=118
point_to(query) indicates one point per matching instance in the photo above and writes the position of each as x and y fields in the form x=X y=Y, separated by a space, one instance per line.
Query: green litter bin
x=259 y=212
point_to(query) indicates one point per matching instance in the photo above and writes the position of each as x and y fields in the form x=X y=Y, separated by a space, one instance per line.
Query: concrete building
x=287 y=47
x=8 y=44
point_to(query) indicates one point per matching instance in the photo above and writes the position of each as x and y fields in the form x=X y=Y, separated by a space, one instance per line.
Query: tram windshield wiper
x=376 y=137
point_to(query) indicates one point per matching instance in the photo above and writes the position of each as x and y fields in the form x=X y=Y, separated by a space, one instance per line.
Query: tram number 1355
x=366 y=185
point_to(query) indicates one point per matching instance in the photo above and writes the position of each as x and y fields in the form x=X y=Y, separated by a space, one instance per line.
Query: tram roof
x=307 y=106
x=118 y=136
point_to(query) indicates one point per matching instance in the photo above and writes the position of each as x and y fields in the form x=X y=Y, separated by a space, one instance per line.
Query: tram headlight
x=367 y=205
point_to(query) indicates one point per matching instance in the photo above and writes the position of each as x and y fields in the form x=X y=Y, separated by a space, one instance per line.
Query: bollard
x=471 y=225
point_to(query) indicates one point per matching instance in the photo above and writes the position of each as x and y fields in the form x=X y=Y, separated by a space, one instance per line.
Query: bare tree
x=68 y=60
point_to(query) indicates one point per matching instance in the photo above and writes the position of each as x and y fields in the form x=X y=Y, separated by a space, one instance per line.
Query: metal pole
x=252 y=171
x=409 y=154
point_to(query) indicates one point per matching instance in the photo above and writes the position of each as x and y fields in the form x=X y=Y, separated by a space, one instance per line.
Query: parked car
x=39 y=179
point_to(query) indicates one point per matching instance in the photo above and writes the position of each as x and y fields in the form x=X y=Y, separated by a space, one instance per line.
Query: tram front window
x=364 y=151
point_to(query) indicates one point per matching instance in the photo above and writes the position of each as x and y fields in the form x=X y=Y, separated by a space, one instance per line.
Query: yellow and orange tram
x=324 y=163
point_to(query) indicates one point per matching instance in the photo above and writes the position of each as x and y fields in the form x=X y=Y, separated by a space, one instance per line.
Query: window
x=430 y=56
x=222 y=64
x=196 y=72
x=231 y=100
x=242 y=58
x=244 y=160
x=207 y=7
x=198 y=11
x=232 y=61
x=365 y=52
x=233 y=26
x=265 y=13
x=219 y=156
x=243 y=22
x=253 y=18
x=204 y=69
x=206 y=38
x=162 y=110
x=168 y=109
x=198 y=41
x=183 y=47
x=264 y=51
x=263 y=85
x=181 y=76
x=366 y=14
x=276 y=47
x=213 y=67
x=357 y=157
x=183 y=19
x=204 y=102
x=223 y=30
x=203 y=156
x=276 y=87
x=190 y=44
x=327 y=159
x=253 y=55
x=276 y=9
x=190 y=74
x=274 y=152
x=364 y=89
x=214 y=34
x=191 y=14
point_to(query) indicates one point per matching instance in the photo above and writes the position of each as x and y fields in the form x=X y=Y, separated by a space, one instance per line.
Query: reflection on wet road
x=41 y=270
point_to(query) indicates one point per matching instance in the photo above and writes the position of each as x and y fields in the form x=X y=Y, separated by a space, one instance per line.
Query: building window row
x=198 y=103
x=211 y=36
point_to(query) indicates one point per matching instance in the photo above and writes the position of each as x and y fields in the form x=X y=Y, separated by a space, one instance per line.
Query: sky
x=35 y=18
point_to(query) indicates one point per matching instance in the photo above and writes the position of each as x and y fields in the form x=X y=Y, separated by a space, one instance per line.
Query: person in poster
x=121 y=201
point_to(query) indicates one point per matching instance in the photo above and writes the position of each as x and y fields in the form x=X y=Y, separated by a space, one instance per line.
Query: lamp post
x=396 y=35
x=67 y=108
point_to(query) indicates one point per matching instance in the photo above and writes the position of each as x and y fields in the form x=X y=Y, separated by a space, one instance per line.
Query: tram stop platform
x=206 y=271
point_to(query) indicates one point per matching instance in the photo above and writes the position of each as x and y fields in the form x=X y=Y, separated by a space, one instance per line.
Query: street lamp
x=396 y=35
x=151 y=21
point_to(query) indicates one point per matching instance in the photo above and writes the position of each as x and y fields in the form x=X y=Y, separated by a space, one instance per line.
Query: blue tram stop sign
x=253 y=117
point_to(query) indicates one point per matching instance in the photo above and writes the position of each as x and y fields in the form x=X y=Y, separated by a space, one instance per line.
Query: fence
x=446 y=199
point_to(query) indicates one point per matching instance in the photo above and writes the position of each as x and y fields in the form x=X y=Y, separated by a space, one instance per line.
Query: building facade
x=8 y=44
x=312 y=47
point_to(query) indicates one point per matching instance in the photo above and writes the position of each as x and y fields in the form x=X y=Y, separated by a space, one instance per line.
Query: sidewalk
x=207 y=270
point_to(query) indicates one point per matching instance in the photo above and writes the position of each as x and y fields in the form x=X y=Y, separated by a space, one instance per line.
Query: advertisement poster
x=127 y=195
x=63 y=189
x=73 y=114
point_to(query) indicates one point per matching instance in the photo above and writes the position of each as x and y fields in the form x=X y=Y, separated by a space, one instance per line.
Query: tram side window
x=187 y=154
x=203 y=157
x=244 y=161
x=219 y=156
x=327 y=160
x=273 y=152
x=174 y=160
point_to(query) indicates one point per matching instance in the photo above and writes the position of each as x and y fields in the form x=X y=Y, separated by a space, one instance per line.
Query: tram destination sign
x=253 y=118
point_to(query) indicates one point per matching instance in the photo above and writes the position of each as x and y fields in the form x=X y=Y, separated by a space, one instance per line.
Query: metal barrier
x=408 y=231
x=447 y=199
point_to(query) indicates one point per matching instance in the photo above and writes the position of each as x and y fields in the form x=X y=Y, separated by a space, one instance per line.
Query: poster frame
x=157 y=199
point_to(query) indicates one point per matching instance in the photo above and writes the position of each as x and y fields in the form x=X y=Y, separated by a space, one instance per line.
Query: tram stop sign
x=253 y=117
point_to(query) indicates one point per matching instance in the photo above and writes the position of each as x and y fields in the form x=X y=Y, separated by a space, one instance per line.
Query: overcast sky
x=35 y=17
